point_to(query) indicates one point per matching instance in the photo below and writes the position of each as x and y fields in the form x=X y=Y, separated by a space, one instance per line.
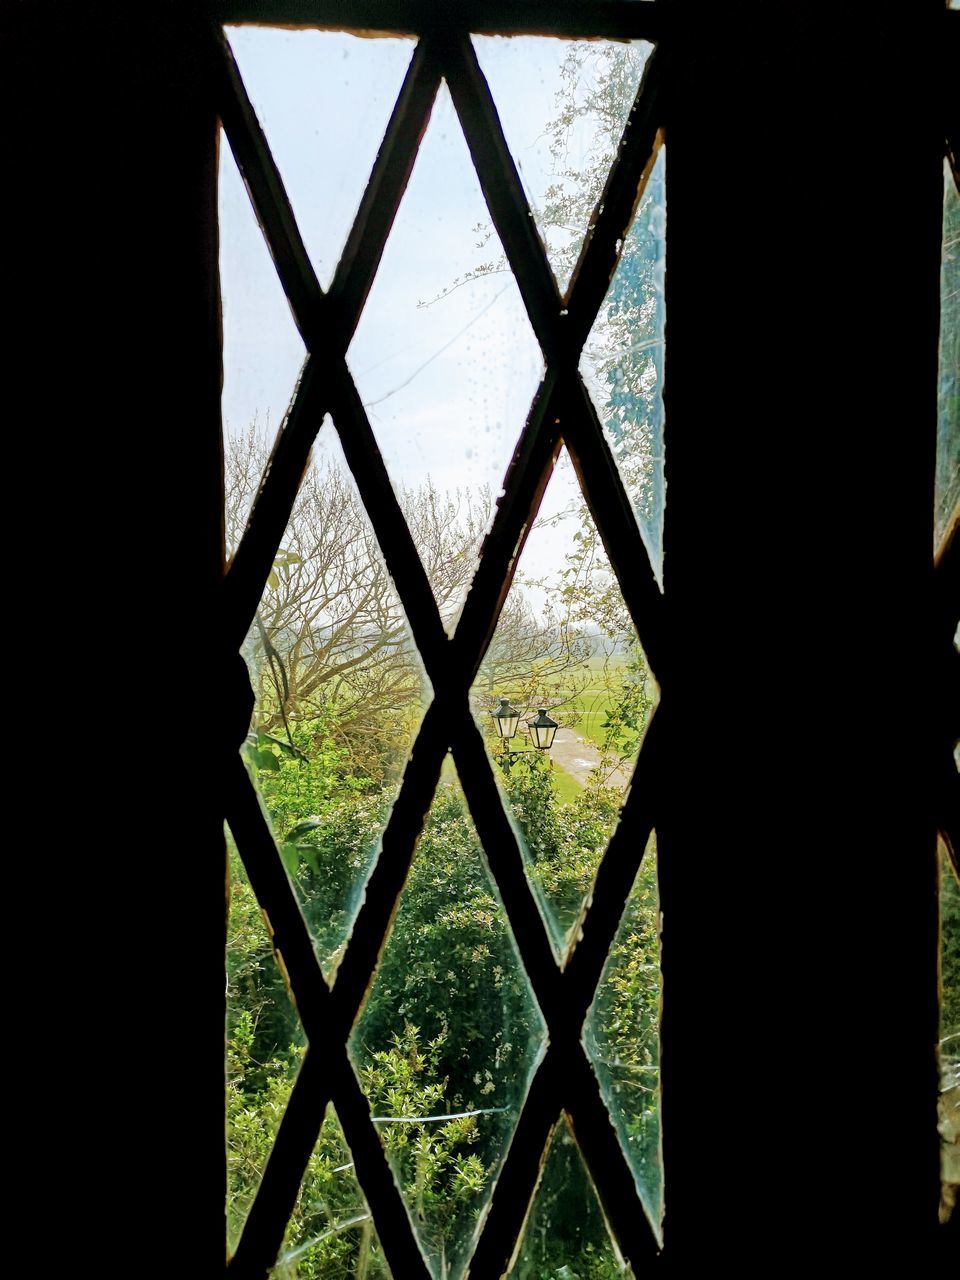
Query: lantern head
x=543 y=730
x=506 y=718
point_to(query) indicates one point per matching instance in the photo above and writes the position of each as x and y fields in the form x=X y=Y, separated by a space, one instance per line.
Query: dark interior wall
x=797 y=838
x=112 y=358
x=804 y=181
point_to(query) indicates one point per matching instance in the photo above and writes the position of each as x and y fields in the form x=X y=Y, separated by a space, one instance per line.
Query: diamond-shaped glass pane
x=262 y=348
x=564 y=644
x=445 y=359
x=448 y=1037
x=331 y=1235
x=565 y=1236
x=339 y=692
x=622 y=363
x=323 y=99
x=949 y=1105
x=947 y=508
x=622 y=1035
x=563 y=105
x=265 y=1045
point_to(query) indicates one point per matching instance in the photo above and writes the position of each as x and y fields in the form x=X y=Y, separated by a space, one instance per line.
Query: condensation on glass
x=565 y=1234
x=449 y=1036
x=623 y=362
x=565 y=643
x=563 y=105
x=947 y=501
x=948 y=1110
x=445 y=360
x=323 y=99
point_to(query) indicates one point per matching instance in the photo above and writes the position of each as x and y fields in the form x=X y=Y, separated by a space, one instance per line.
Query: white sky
x=447 y=371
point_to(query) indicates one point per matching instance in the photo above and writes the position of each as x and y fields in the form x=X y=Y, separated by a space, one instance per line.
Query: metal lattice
x=562 y=414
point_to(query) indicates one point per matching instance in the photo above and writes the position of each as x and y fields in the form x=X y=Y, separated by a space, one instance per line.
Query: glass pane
x=947 y=506
x=565 y=1236
x=323 y=99
x=564 y=644
x=339 y=692
x=445 y=359
x=563 y=105
x=262 y=349
x=622 y=364
x=331 y=1233
x=949 y=1107
x=448 y=1037
x=265 y=1045
x=622 y=1035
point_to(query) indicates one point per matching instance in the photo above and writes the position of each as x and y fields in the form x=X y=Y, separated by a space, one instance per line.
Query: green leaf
x=301 y=828
x=290 y=858
x=267 y=739
x=272 y=579
x=265 y=760
x=308 y=854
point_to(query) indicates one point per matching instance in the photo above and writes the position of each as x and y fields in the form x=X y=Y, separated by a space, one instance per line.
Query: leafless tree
x=534 y=659
x=331 y=642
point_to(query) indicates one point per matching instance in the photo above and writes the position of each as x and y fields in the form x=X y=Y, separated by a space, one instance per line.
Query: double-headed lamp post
x=542 y=729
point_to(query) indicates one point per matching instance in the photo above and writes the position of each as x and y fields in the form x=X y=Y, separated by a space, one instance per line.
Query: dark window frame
x=562 y=414
x=806 y=152
x=570 y=1083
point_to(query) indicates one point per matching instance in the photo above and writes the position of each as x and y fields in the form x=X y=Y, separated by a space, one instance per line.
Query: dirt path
x=577 y=756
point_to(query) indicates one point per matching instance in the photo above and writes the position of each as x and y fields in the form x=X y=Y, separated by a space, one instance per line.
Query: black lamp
x=506 y=719
x=543 y=730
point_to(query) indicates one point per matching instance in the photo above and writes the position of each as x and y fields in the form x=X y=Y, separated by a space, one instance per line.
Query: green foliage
x=450 y=1014
x=327 y=814
x=449 y=1026
x=330 y=1233
x=623 y=1032
x=565 y=842
x=440 y=1175
x=949 y=1100
x=450 y=967
x=312 y=772
x=565 y=1237
x=627 y=715
x=264 y=1045
x=627 y=1007
x=947 y=492
x=565 y=835
x=949 y=951
x=262 y=1023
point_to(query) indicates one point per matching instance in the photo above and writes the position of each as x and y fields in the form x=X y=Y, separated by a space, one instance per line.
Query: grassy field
x=587 y=711
x=567 y=785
